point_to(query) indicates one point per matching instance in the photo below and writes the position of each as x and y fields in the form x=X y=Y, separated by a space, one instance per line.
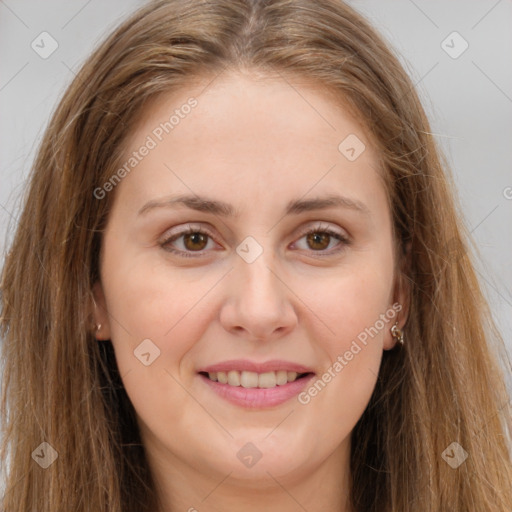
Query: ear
x=401 y=298
x=100 y=313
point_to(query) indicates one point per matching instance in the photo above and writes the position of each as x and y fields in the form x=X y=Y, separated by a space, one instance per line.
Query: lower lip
x=258 y=398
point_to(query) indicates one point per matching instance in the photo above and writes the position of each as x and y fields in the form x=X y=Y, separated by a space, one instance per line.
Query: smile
x=247 y=379
x=256 y=397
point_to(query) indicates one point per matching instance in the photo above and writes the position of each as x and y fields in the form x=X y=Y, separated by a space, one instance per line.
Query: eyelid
x=322 y=227
x=186 y=228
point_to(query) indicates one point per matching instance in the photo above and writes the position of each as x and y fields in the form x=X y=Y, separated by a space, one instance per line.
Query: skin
x=255 y=143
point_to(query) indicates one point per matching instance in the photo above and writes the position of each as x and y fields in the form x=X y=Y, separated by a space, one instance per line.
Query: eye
x=319 y=238
x=195 y=240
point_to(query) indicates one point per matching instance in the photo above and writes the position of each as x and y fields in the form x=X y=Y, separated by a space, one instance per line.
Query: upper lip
x=252 y=366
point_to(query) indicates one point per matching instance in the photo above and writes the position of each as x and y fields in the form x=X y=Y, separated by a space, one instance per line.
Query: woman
x=240 y=282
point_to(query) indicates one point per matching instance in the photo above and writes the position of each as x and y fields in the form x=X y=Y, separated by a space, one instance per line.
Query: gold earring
x=397 y=333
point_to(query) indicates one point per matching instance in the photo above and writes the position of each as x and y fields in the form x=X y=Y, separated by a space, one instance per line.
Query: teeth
x=253 y=379
x=281 y=377
x=248 y=379
x=234 y=378
x=267 y=380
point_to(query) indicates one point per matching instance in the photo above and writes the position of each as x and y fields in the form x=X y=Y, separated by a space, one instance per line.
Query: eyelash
x=191 y=230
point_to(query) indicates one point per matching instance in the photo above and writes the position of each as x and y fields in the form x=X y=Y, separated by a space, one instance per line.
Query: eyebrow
x=297 y=206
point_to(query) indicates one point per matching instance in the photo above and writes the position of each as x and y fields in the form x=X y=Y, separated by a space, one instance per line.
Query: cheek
x=356 y=316
x=148 y=300
x=352 y=304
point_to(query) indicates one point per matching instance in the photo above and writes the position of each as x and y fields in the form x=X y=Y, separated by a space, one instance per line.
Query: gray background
x=468 y=100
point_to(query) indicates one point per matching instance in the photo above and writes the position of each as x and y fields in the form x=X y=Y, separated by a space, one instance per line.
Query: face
x=255 y=278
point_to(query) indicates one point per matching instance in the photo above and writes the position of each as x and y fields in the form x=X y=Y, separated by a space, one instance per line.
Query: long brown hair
x=62 y=387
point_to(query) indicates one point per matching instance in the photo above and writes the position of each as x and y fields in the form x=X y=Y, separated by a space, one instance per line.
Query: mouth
x=248 y=379
x=256 y=385
x=251 y=385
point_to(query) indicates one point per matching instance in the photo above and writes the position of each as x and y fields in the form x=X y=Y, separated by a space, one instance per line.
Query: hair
x=63 y=387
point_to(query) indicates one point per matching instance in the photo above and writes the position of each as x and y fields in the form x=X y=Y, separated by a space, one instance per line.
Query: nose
x=260 y=303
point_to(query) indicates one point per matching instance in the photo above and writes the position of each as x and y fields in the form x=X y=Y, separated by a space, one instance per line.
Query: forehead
x=249 y=137
x=276 y=108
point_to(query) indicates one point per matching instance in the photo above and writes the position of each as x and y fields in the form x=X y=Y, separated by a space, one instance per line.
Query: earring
x=397 y=333
x=98 y=327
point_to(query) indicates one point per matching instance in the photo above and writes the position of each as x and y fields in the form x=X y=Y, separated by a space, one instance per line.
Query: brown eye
x=187 y=242
x=195 y=241
x=319 y=239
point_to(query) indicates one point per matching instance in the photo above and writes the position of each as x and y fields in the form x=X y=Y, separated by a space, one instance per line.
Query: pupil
x=315 y=236
x=196 y=238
